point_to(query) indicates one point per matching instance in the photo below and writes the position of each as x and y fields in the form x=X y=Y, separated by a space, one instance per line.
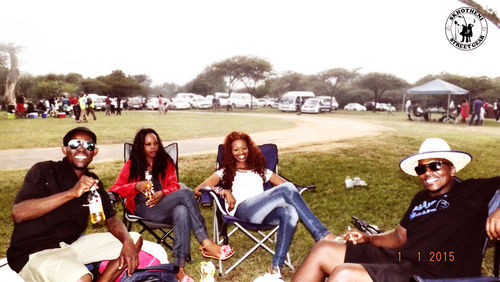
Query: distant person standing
x=161 y=105
x=83 y=107
x=108 y=105
x=90 y=107
x=76 y=107
x=464 y=111
x=478 y=104
x=496 y=108
x=408 y=109
x=118 y=106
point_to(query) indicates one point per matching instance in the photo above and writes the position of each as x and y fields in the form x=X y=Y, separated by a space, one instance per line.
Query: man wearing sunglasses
x=441 y=235
x=50 y=214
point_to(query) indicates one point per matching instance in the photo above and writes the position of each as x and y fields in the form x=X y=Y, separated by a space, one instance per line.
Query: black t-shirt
x=446 y=234
x=64 y=224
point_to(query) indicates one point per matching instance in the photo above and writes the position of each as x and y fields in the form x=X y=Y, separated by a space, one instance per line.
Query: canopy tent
x=437 y=87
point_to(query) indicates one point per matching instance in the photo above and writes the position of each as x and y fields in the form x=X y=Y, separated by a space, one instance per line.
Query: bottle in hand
x=95 y=206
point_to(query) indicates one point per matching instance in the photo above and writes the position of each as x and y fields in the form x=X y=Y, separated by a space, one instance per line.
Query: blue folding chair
x=492 y=206
x=261 y=234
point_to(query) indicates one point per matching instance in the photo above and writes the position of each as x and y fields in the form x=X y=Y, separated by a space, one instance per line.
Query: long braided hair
x=138 y=162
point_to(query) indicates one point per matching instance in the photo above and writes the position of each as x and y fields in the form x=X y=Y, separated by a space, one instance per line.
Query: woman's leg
x=257 y=208
x=286 y=217
x=170 y=210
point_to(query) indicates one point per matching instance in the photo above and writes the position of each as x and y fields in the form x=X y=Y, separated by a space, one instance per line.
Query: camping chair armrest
x=301 y=189
x=205 y=198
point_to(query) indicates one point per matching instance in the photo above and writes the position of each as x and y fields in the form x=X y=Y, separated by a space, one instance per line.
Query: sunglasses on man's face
x=75 y=144
x=434 y=166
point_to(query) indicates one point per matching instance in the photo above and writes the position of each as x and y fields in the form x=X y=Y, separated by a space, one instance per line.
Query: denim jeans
x=283 y=206
x=475 y=114
x=180 y=209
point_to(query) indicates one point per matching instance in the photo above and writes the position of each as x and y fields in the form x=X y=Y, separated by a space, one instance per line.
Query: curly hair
x=138 y=163
x=255 y=160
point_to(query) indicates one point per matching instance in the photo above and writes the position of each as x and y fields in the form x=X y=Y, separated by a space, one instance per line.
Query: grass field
x=373 y=159
x=176 y=125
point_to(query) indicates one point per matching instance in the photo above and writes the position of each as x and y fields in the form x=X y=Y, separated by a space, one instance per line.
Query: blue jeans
x=180 y=209
x=283 y=206
x=475 y=114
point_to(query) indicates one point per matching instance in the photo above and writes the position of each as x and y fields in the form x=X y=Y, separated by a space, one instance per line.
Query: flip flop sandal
x=225 y=252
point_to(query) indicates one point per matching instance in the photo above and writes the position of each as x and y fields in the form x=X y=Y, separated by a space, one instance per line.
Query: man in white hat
x=441 y=234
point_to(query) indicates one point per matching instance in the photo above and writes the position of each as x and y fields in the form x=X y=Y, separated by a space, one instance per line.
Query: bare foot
x=210 y=248
x=180 y=275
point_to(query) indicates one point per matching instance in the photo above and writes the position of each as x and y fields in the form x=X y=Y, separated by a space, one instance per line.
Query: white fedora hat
x=435 y=148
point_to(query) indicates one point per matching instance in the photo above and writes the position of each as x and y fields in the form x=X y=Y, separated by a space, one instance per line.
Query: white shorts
x=67 y=263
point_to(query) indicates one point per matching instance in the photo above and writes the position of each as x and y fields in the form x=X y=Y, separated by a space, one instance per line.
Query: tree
x=56 y=88
x=379 y=83
x=490 y=14
x=254 y=70
x=74 y=78
x=207 y=82
x=290 y=81
x=92 y=85
x=13 y=75
x=120 y=85
x=166 y=89
x=335 y=79
x=242 y=69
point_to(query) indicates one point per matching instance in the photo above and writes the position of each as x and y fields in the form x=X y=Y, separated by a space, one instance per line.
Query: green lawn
x=39 y=133
x=373 y=159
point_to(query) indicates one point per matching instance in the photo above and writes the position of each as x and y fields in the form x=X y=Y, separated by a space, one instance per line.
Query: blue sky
x=173 y=41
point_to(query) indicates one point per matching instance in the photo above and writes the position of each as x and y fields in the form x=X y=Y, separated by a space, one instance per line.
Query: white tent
x=437 y=87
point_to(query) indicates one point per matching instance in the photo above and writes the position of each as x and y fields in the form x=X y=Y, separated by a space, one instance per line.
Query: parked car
x=179 y=104
x=242 y=100
x=387 y=107
x=202 y=102
x=287 y=102
x=100 y=103
x=315 y=105
x=153 y=104
x=379 y=106
x=134 y=103
x=328 y=100
x=354 y=107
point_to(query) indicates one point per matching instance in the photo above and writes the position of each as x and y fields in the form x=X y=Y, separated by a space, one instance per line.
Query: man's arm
x=35 y=208
x=394 y=238
x=128 y=256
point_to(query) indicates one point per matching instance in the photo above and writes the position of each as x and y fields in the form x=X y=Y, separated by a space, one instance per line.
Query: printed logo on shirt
x=429 y=207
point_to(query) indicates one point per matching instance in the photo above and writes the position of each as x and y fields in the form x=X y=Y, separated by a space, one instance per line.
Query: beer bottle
x=149 y=185
x=95 y=206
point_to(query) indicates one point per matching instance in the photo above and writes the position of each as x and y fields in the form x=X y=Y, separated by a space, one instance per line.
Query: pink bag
x=145 y=260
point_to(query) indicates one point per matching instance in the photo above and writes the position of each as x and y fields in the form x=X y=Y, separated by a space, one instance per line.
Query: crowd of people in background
x=477 y=111
x=78 y=106
x=81 y=106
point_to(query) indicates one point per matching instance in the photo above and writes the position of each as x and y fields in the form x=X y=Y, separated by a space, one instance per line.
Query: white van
x=287 y=102
x=242 y=100
x=330 y=100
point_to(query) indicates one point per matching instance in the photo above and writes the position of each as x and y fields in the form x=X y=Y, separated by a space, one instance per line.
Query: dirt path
x=309 y=131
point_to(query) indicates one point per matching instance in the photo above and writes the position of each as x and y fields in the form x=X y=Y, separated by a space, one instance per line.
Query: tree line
x=240 y=74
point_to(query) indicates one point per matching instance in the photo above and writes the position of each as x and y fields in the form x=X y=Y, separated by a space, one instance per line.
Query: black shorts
x=382 y=264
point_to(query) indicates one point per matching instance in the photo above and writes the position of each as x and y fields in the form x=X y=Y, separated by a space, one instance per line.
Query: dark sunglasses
x=75 y=144
x=434 y=166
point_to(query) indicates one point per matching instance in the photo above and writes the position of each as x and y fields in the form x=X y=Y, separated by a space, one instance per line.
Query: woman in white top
x=242 y=175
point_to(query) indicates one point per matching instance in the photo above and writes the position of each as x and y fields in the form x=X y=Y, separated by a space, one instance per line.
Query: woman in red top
x=464 y=111
x=150 y=168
